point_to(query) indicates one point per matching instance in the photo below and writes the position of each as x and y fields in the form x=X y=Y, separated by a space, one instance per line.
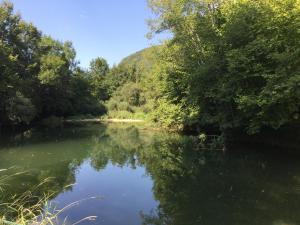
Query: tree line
x=230 y=64
x=233 y=64
x=40 y=76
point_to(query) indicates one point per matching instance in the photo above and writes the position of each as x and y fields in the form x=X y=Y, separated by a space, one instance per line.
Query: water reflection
x=155 y=178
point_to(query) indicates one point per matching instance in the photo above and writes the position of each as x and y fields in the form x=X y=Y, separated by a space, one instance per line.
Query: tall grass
x=29 y=209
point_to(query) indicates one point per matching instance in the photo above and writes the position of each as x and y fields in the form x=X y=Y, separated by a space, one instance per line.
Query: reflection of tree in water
x=33 y=186
x=205 y=187
x=196 y=187
x=49 y=166
x=118 y=146
x=192 y=186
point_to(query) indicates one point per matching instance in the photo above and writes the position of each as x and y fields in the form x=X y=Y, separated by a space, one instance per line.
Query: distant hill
x=143 y=59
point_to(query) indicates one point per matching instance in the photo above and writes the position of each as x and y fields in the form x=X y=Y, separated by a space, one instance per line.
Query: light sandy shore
x=106 y=120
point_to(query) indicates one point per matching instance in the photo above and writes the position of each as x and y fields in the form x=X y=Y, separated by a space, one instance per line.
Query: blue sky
x=112 y=29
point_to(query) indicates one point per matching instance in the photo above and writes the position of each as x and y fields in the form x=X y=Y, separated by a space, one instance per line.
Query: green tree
x=97 y=72
x=38 y=74
x=83 y=101
x=19 y=63
x=235 y=62
x=99 y=67
x=55 y=75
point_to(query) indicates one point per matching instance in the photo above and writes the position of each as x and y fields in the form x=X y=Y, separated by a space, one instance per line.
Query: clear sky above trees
x=111 y=29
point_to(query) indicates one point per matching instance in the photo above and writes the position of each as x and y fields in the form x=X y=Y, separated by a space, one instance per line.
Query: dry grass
x=28 y=209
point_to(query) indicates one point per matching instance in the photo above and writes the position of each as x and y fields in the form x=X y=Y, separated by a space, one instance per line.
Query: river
x=127 y=175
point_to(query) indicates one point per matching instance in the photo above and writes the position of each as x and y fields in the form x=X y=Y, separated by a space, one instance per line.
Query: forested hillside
x=231 y=64
x=130 y=98
x=41 y=81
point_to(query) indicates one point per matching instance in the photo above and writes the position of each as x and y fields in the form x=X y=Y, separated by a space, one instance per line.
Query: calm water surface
x=125 y=175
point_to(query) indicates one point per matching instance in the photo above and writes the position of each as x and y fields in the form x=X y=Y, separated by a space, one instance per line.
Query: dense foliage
x=39 y=76
x=230 y=65
x=127 y=84
x=233 y=63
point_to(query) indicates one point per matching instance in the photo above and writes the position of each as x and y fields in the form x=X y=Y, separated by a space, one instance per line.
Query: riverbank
x=144 y=124
x=114 y=120
x=285 y=139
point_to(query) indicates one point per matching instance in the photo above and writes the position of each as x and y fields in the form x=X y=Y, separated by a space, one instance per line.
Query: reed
x=29 y=209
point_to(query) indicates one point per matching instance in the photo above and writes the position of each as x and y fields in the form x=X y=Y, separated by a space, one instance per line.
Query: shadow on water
x=191 y=185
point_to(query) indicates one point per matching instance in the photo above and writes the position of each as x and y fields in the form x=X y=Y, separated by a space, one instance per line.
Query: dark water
x=146 y=177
